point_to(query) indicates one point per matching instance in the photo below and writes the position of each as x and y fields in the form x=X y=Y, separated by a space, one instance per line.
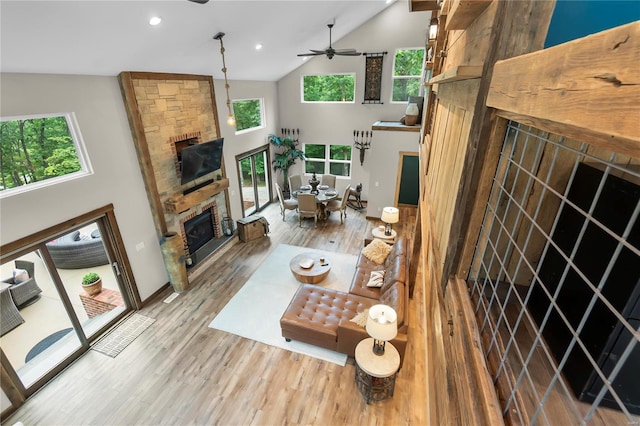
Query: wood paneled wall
x=458 y=127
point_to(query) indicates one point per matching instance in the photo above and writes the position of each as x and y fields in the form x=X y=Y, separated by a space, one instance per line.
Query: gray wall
x=100 y=112
x=334 y=123
x=101 y=116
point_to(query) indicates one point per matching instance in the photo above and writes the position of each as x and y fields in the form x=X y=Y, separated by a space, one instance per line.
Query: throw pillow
x=20 y=276
x=377 y=251
x=376 y=279
x=361 y=318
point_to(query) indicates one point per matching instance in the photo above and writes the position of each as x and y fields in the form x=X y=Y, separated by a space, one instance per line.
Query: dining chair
x=285 y=204
x=295 y=182
x=307 y=207
x=329 y=180
x=339 y=205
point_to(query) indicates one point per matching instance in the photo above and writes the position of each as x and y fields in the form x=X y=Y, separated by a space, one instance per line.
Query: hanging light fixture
x=231 y=120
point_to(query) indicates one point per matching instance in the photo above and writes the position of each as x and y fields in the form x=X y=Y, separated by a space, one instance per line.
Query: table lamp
x=389 y=215
x=382 y=325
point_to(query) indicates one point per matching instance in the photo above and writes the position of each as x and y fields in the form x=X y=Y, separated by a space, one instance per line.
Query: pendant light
x=231 y=120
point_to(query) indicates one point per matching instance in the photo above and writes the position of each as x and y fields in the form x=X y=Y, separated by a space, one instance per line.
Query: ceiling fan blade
x=348 y=53
x=344 y=50
x=199 y=1
x=318 y=51
x=311 y=54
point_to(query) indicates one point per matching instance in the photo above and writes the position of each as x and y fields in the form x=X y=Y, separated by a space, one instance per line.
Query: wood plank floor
x=179 y=371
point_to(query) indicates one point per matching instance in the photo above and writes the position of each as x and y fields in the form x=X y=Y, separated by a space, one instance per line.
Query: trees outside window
x=36 y=150
x=329 y=88
x=328 y=159
x=407 y=74
x=249 y=114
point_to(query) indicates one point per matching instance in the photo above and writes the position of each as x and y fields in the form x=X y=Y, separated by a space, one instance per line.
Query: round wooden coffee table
x=313 y=275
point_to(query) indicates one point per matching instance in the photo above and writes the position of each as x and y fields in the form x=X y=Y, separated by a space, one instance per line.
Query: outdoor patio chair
x=27 y=291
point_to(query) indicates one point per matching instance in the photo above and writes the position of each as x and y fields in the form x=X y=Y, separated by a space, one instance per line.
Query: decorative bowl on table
x=306 y=263
x=323 y=187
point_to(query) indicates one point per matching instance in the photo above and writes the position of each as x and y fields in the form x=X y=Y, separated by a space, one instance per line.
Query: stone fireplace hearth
x=168 y=112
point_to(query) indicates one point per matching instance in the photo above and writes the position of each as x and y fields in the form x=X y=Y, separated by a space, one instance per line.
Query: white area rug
x=255 y=311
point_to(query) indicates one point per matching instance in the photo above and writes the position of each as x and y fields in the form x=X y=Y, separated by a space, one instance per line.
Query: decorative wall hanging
x=373 y=77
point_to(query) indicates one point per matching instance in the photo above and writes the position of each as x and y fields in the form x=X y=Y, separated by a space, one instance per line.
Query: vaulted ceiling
x=93 y=37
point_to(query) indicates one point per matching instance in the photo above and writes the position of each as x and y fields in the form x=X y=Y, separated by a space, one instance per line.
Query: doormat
x=125 y=333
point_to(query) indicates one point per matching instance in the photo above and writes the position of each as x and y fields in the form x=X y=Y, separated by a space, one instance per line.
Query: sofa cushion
x=394 y=295
x=396 y=271
x=359 y=284
x=375 y=279
x=20 y=275
x=377 y=251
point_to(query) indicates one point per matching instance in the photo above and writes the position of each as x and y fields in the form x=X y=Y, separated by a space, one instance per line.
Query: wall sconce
x=362 y=141
x=294 y=134
x=433 y=29
x=231 y=120
x=389 y=215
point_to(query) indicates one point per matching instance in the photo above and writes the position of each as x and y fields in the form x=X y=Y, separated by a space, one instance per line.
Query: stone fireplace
x=167 y=113
x=201 y=233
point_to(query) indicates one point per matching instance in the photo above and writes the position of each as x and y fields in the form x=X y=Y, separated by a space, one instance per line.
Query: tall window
x=249 y=114
x=407 y=74
x=329 y=88
x=40 y=150
x=328 y=159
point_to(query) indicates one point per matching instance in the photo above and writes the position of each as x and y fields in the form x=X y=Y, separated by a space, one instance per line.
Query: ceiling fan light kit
x=330 y=52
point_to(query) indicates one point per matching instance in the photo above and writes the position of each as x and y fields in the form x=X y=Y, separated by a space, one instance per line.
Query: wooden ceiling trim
x=422 y=5
x=464 y=12
x=595 y=75
x=460 y=72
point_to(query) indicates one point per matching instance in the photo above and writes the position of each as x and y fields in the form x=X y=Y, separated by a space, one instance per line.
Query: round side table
x=379 y=233
x=376 y=374
x=312 y=275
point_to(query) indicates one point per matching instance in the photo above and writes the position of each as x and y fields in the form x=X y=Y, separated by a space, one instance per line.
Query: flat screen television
x=198 y=160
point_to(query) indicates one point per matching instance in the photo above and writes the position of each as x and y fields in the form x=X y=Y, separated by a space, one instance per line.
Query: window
x=407 y=74
x=249 y=114
x=329 y=88
x=328 y=159
x=36 y=151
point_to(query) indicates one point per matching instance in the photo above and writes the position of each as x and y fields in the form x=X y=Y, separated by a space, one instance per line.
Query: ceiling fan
x=330 y=51
x=199 y=1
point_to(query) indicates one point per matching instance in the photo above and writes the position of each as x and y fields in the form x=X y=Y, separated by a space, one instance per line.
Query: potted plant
x=92 y=283
x=286 y=158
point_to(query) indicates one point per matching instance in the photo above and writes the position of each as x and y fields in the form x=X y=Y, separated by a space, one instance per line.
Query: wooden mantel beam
x=594 y=75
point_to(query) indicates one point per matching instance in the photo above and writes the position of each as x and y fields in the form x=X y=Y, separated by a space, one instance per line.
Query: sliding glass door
x=254 y=177
x=47 y=317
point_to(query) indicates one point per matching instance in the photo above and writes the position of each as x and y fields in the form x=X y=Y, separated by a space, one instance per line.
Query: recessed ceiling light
x=258 y=46
x=389 y=1
x=155 y=20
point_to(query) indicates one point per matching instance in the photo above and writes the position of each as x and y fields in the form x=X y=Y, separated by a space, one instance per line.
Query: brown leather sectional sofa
x=321 y=316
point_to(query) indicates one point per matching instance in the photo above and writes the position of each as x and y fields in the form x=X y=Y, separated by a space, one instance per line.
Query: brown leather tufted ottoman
x=315 y=312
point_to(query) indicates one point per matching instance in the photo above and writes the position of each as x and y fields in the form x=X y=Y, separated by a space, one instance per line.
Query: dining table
x=323 y=195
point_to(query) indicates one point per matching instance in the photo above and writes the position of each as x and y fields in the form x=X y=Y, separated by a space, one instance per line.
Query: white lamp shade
x=390 y=215
x=382 y=322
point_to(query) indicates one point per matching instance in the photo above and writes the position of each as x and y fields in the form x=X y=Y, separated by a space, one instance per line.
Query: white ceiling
x=106 y=37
